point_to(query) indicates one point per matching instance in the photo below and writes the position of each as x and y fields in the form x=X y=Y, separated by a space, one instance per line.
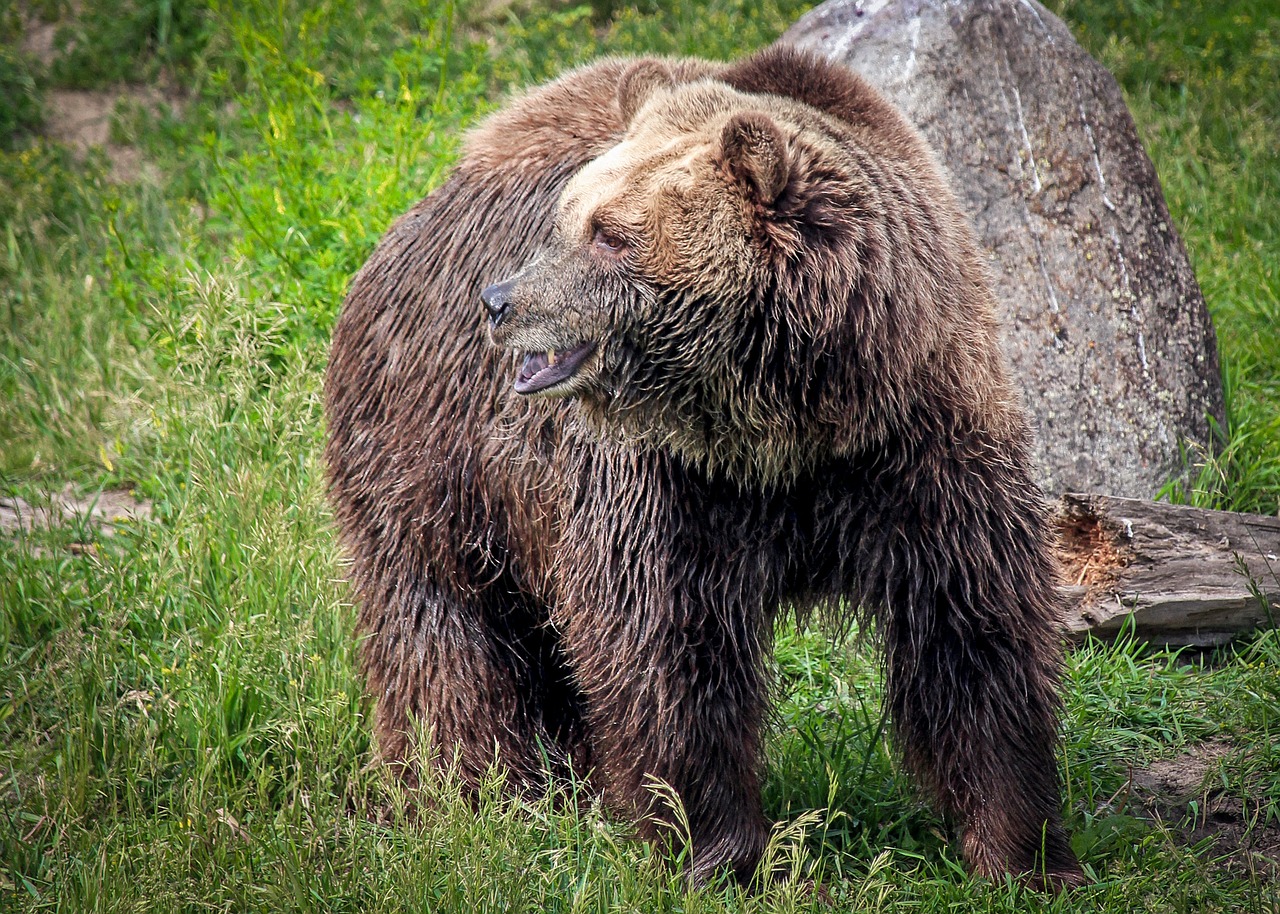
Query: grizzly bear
x=736 y=355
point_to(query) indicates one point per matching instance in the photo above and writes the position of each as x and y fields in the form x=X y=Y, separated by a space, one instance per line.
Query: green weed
x=128 y=41
x=21 y=103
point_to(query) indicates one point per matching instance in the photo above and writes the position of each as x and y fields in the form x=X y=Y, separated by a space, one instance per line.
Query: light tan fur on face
x=664 y=189
x=659 y=189
x=746 y=211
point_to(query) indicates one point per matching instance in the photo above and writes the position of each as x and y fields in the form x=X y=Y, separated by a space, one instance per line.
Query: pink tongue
x=536 y=373
x=534 y=362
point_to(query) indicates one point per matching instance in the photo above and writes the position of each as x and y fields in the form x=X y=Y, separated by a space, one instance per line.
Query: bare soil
x=81 y=119
x=1179 y=794
x=99 y=512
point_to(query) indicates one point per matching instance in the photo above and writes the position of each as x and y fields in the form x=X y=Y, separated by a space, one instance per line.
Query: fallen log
x=1186 y=576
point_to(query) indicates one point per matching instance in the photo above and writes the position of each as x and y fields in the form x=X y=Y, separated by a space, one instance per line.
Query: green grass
x=181 y=726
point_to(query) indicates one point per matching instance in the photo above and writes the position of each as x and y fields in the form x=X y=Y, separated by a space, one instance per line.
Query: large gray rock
x=1105 y=326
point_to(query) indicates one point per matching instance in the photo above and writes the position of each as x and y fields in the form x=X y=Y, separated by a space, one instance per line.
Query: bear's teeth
x=551 y=356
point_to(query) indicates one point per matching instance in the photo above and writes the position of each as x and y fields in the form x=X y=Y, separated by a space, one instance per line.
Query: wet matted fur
x=762 y=371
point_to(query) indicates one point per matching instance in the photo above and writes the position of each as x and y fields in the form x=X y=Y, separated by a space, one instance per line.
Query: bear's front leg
x=667 y=643
x=973 y=654
x=479 y=671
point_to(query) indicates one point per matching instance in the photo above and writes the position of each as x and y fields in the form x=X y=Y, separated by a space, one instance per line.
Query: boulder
x=1105 y=326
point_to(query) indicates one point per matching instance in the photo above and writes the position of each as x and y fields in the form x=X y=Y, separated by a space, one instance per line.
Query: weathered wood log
x=1186 y=575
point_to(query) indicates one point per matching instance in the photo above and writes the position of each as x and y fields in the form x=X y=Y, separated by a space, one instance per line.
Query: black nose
x=497 y=301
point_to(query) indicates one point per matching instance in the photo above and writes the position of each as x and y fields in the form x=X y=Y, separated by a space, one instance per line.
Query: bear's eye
x=606 y=242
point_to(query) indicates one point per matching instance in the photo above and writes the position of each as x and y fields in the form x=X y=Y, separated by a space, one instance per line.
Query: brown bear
x=747 y=361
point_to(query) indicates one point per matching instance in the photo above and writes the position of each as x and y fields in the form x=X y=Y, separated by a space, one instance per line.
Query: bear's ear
x=638 y=82
x=755 y=154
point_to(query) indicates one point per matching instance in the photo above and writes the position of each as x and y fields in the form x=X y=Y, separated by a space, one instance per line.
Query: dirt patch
x=1180 y=779
x=81 y=119
x=37 y=40
x=1178 y=793
x=1238 y=837
x=98 y=513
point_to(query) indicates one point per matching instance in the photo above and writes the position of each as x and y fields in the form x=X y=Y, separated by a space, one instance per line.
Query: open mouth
x=544 y=370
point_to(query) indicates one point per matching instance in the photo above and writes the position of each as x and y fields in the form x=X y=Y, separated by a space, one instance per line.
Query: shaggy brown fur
x=776 y=382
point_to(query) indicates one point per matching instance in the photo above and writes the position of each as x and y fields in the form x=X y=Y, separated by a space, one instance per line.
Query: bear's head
x=709 y=278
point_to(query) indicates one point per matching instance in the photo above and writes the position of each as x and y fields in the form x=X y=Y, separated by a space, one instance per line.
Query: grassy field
x=181 y=727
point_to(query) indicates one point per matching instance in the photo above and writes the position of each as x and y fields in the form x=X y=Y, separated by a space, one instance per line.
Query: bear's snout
x=497 y=301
